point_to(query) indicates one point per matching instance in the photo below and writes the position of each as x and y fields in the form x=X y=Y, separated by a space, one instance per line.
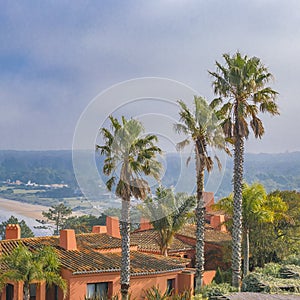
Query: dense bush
x=270 y=269
x=292 y=260
x=258 y=282
x=254 y=283
x=290 y=271
x=155 y=294
x=212 y=290
x=222 y=276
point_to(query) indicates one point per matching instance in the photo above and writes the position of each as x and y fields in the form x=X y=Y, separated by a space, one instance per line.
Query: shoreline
x=33 y=211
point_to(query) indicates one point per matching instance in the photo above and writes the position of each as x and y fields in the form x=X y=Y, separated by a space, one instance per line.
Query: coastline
x=33 y=211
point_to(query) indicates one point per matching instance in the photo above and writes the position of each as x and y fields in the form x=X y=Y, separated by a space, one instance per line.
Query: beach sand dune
x=24 y=209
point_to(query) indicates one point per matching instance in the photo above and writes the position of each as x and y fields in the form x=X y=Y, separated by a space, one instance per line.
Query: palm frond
x=181 y=145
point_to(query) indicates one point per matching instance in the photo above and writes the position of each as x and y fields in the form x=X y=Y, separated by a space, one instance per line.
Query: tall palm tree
x=29 y=267
x=241 y=85
x=200 y=128
x=128 y=156
x=258 y=208
x=168 y=214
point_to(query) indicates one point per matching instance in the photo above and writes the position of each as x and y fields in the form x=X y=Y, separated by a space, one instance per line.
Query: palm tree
x=28 y=267
x=128 y=156
x=168 y=214
x=241 y=85
x=201 y=128
x=258 y=208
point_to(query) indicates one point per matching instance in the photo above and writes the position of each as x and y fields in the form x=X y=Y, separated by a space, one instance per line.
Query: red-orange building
x=92 y=261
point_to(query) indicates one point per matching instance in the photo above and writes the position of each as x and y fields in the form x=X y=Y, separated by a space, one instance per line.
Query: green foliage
x=262 y=213
x=270 y=269
x=273 y=278
x=155 y=294
x=290 y=271
x=292 y=260
x=27 y=266
x=25 y=230
x=274 y=242
x=85 y=223
x=222 y=276
x=212 y=290
x=260 y=283
x=168 y=213
x=254 y=283
x=128 y=156
x=58 y=215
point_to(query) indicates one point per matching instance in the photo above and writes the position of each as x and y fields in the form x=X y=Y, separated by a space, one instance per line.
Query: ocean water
x=6 y=214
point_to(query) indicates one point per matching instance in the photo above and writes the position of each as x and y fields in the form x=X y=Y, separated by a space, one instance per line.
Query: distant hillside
x=275 y=171
x=42 y=167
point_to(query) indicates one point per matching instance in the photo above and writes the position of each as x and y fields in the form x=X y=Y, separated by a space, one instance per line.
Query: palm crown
x=129 y=156
x=202 y=128
x=242 y=83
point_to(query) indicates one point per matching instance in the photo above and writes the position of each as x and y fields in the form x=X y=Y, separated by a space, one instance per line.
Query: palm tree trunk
x=26 y=291
x=246 y=252
x=237 y=211
x=200 y=212
x=125 y=261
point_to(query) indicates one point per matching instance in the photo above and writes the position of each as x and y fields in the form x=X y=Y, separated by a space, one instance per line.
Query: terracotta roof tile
x=211 y=235
x=87 y=259
x=147 y=240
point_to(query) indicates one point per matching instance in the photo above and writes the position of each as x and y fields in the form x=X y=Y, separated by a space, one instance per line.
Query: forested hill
x=275 y=171
x=41 y=167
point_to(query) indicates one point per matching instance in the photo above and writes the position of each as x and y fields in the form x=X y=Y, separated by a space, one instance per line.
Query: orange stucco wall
x=78 y=283
x=208 y=276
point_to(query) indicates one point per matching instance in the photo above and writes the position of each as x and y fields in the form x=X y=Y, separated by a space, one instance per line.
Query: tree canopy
x=168 y=213
x=30 y=267
x=25 y=229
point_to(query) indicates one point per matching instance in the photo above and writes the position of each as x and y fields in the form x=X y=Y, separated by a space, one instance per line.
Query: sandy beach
x=23 y=209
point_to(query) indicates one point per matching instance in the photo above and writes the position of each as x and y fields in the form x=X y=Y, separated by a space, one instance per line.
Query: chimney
x=113 y=227
x=99 y=229
x=145 y=224
x=209 y=200
x=67 y=239
x=12 y=232
x=217 y=222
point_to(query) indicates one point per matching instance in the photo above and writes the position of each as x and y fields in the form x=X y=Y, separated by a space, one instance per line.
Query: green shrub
x=258 y=282
x=254 y=283
x=222 y=276
x=155 y=294
x=270 y=269
x=214 y=289
x=292 y=260
x=290 y=271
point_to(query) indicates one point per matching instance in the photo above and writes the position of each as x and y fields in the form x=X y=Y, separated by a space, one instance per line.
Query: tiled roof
x=141 y=263
x=147 y=240
x=87 y=259
x=211 y=235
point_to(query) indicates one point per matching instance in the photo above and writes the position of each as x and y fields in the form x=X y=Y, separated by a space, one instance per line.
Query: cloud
x=56 y=56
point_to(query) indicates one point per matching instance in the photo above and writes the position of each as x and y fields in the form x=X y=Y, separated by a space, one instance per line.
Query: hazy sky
x=55 y=56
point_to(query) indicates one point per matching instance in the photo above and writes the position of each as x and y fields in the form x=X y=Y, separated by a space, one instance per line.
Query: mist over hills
x=275 y=171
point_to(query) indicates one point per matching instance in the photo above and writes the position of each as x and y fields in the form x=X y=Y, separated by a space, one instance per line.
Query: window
x=170 y=285
x=9 y=292
x=52 y=292
x=99 y=289
x=32 y=288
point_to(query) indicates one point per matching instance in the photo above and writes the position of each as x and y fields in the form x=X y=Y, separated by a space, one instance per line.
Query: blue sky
x=55 y=56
